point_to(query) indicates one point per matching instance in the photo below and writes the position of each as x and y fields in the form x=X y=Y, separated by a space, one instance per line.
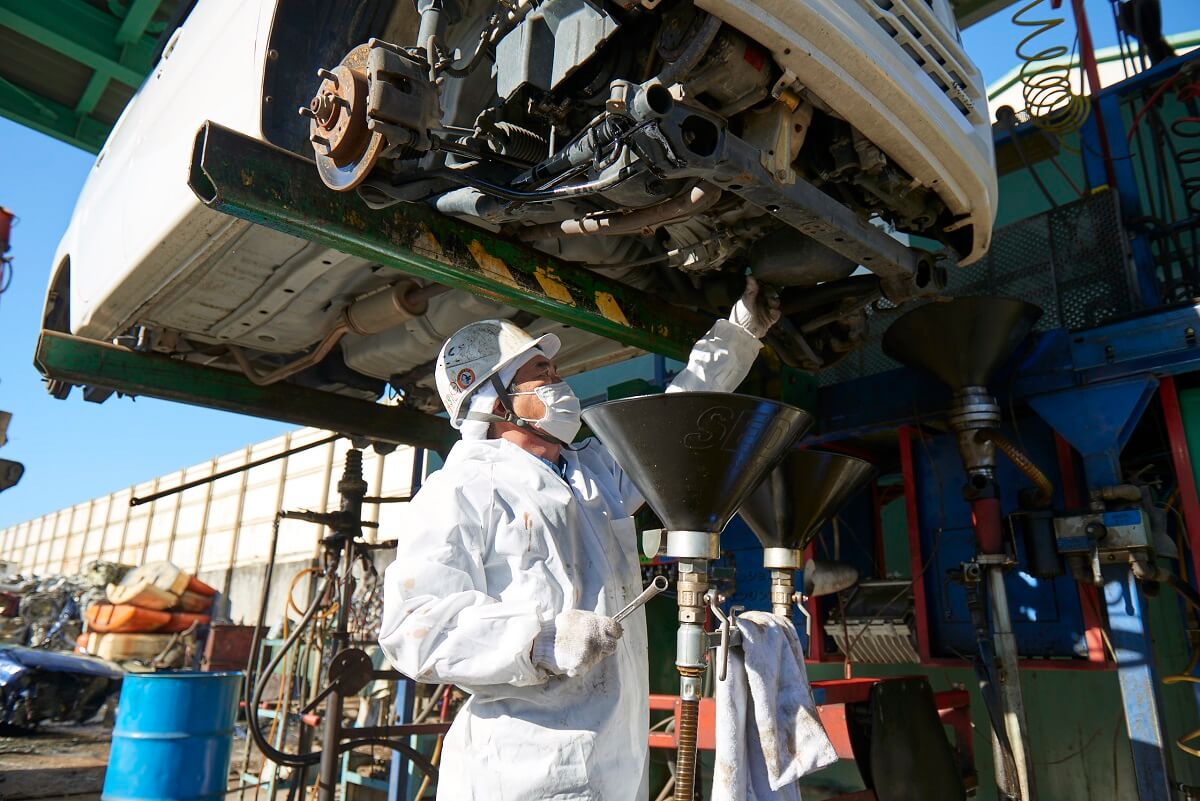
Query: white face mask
x=562 y=417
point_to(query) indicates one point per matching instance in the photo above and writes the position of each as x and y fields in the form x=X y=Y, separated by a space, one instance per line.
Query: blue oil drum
x=173 y=737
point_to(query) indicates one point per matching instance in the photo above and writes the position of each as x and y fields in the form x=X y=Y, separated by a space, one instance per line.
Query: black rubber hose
x=255 y=688
x=268 y=750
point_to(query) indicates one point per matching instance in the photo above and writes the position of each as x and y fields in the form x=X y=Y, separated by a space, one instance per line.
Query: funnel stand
x=690 y=644
x=695 y=456
x=962 y=342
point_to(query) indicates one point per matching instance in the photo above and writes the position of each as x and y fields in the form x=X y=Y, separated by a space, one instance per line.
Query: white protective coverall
x=495 y=544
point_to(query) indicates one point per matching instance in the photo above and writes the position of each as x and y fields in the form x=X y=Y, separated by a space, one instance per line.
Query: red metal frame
x=816 y=641
x=1087 y=53
x=877 y=521
x=1185 y=479
x=954 y=710
x=920 y=610
x=1089 y=598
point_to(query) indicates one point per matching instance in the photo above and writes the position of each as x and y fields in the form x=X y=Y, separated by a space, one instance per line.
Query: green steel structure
x=85 y=361
x=242 y=176
x=70 y=66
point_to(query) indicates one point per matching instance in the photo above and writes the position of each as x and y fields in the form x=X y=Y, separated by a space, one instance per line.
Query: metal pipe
x=699 y=199
x=138 y=501
x=370 y=314
x=690 y=589
x=352 y=489
x=291 y=368
x=1010 y=680
x=593 y=187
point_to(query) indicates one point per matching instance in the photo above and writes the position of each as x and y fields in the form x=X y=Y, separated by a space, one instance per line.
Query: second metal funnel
x=961 y=341
x=695 y=456
x=801 y=495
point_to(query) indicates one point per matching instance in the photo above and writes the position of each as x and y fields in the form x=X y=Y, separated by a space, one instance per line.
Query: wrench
x=659 y=584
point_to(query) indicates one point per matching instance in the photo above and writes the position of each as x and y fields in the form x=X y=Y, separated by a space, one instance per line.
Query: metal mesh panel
x=1072 y=261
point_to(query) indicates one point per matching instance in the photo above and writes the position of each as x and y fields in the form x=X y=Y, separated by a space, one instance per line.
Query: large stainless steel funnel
x=961 y=341
x=800 y=496
x=695 y=456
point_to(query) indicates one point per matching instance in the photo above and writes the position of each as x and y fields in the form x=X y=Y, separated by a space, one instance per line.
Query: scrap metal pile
x=47 y=612
x=113 y=617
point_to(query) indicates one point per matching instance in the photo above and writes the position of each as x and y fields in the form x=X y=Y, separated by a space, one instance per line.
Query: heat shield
x=801 y=495
x=961 y=341
x=695 y=456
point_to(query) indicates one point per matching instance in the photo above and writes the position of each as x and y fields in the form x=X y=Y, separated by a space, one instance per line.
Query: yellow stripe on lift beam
x=493 y=267
x=426 y=244
x=552 y=285
x=609 y=307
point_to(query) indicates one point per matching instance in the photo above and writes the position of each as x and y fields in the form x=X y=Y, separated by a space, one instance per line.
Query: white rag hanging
x=768 y=733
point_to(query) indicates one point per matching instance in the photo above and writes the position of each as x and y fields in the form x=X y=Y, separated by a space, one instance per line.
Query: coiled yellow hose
x=1050 y=101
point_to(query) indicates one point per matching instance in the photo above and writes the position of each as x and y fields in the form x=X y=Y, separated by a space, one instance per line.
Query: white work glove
x=575 y=641
x=756 y=311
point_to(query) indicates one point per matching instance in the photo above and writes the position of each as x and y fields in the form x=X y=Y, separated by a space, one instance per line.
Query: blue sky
x=74 y=450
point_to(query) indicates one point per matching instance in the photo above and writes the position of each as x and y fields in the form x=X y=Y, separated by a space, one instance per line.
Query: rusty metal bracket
x=86 y=362
x=246 y=178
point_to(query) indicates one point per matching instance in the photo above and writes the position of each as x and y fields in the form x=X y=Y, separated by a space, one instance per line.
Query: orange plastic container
x=129 y=619
x=199 y=587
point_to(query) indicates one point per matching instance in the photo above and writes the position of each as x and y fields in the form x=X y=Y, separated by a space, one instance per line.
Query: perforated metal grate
x=1072 y=261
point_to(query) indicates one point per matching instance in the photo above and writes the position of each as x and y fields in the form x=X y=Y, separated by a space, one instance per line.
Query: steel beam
x=137 y=19
x=246 y=178
x=51 y=118
x=82 y=361
x=81 y=32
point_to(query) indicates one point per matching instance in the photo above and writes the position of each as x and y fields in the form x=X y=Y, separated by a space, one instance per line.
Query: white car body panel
x=143 y=250
x=840 y=53
x=137 y=227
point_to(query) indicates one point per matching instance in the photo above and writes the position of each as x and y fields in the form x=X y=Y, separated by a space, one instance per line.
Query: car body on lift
x=873 y=102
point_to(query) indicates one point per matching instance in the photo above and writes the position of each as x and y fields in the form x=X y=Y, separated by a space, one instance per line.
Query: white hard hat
x=478 y=351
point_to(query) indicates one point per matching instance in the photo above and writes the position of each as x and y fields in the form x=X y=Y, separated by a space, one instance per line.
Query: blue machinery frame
x=1092 y=388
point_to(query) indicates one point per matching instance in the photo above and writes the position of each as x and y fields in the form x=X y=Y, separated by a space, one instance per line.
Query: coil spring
x=518 y=142
x=1050 y=101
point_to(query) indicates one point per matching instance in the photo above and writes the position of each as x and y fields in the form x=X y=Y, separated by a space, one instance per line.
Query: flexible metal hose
x=685 y=738
x=1045 y=488
x=1046 y=78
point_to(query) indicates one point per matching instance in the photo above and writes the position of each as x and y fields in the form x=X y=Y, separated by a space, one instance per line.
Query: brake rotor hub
x=337 y=125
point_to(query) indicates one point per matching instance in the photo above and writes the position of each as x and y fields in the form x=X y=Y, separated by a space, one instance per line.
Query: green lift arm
x=264 y=184
x=84 y=361
x=244 y=177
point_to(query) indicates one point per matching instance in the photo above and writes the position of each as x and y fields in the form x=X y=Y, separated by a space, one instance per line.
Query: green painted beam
x=92 y=93
x=51 y=118
x=264 y=184
x=86 y=362
x=80 y=32
x=136 y=19
x=968 y=12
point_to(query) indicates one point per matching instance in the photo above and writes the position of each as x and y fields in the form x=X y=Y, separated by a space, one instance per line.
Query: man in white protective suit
x=513 y=559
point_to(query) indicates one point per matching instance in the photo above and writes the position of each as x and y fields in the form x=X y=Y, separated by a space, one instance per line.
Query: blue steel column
x=401 y=713
x=1098 y=420
x=1130 y=637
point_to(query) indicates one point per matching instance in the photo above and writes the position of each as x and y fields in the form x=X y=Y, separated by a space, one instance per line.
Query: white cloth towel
x=768 y=733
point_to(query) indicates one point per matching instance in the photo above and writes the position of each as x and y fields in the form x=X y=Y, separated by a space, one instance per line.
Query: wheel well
x=57 y=313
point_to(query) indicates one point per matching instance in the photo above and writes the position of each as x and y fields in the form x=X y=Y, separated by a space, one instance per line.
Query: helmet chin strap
x=511 y=417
